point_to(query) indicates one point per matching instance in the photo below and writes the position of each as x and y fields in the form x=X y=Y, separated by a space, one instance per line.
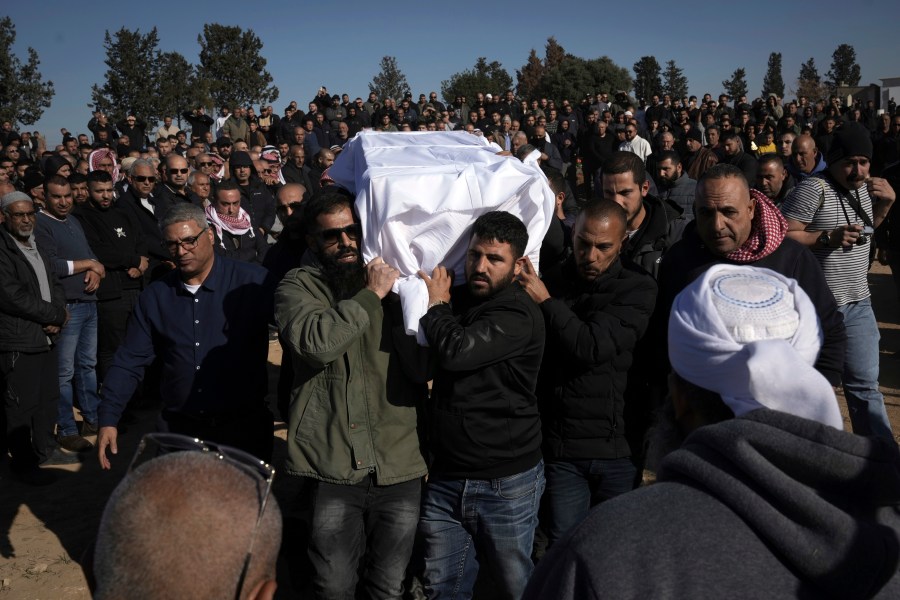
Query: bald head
x=179 y=526
x=803 y=153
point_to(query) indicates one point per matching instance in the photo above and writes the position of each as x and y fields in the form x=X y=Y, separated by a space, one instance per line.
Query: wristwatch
x=824 y=239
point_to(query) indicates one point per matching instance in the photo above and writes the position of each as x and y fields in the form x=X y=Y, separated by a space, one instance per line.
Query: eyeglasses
x=292 y=206
x=23 y=215
x=154 y=445
x=330 y=237
x=204 y=164
x=144 y=178
x=188 y=243
x=182 y=171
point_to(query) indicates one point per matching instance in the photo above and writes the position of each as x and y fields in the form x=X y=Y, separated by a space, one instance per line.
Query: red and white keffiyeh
x=98 y=155
x=767 y=231
x=238 y=225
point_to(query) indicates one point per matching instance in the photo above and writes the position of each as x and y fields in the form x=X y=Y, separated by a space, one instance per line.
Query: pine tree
x=553 y=54
x=647 y=81
x=390 y=82
x=844 y=69
x=809 y=84
x=23 y=94
x=773 y=82
x=131 y=79
x=530 y=75
x=675 y=84
x=232 y=66
x=737 y=85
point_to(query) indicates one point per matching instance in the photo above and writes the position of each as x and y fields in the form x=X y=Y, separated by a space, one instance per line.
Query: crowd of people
x=705 y=273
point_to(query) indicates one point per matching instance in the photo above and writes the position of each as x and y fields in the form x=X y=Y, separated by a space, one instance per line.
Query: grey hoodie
x=764 y=506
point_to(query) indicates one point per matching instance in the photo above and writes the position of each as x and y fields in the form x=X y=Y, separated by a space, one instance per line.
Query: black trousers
x=30 y=401
x=113 y=320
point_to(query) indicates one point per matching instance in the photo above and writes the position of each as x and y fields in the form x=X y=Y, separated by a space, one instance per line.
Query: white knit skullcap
x=752 y=336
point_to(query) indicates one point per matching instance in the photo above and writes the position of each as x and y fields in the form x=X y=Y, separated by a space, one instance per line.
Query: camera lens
x=861 y=240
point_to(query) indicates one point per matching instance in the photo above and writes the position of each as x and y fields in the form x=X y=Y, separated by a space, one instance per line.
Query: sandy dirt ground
x=44 y=532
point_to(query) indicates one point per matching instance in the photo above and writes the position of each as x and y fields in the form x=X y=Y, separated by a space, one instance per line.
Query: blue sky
x=340 y=44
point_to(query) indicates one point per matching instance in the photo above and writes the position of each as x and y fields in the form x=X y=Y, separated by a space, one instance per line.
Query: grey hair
x=141 y=162
x=181 y=212
x=193 y=176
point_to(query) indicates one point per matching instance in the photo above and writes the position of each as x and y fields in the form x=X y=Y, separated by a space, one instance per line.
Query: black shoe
x=88 y=428
x=75 y=443
x=34 y=476
x=61 y=457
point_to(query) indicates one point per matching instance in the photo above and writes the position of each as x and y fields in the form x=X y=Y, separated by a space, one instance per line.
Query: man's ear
x=264 y=590
x=520 y=264
x=645 y=188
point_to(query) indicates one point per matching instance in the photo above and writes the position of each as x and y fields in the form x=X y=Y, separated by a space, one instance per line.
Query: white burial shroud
x=418 y=194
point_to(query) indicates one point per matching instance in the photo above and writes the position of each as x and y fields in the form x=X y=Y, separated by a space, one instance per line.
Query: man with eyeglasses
x=147 y=209
x=32 y=311
x=173 y=189
x=196 y=520
x=635 y=143
x=353 y=406
x=207 y=324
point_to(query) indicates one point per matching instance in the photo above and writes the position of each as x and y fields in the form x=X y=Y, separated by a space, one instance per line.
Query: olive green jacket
x=358 y=380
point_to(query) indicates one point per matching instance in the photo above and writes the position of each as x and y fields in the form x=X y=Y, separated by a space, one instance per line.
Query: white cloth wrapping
x=418 y=193
x=775 y=373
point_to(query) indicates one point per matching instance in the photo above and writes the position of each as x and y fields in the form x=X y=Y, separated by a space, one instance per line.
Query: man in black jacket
x=487 y=477
x=598 y=311
x=255 y=197
x=32 y=311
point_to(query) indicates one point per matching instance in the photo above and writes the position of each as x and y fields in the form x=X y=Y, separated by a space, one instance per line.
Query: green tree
x=179 y=87
x=575 y=77
x=130 y=83
x=737 y=85
x=675 y=84
x=844 y=69
x=233 y=68
x=23 y=93
x=390 y=82
x=647 y=81
x=773 y=83
x=809 y=83
x=529 y=76
x=484 y=77
x=554 y=54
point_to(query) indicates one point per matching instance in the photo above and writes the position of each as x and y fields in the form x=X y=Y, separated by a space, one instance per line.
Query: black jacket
x=160 y=259
x=661 y=228
x=245 y=248
x=259 y=203
x=116 y=239
x=23 y=313
x=483 y=417
x=689 y=259
x=592 y=329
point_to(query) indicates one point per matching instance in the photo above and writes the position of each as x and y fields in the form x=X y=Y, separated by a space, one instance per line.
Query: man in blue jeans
x=834 y=213
x=600 y=308
x=487 y=478
x=61 y=238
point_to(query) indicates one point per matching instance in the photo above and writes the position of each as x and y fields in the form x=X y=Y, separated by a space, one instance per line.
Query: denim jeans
x=368 y=522
x=574 y=486
x=77 y=358
x=864 y=402
x=470 y=521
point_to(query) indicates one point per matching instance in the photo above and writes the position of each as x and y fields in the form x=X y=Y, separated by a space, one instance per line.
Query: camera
x=864 y=235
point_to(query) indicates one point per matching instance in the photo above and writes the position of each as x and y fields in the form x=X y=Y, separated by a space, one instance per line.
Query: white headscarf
x=752 y=335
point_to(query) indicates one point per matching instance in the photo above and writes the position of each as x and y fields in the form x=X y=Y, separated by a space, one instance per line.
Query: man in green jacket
x=357 y=382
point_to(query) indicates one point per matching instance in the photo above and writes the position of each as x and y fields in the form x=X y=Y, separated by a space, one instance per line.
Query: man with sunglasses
x=207 y=324
x=174 y=188
x=353 y=409
x=147 y=209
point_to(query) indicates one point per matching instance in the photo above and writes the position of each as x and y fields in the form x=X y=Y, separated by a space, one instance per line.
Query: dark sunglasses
x=330 y=237
x=144 y=178
x=182 y=171
x=294 y=206
x=204 y=164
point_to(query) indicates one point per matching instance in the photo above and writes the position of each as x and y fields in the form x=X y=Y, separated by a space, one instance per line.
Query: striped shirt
x=819 y=203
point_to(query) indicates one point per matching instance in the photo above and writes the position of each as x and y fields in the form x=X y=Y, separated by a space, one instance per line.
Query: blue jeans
x=864 y=402
x=77 y=359
x=574 y=486
x=368 y=522
x=494 y=519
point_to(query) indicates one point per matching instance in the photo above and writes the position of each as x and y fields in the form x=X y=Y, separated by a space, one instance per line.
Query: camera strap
x=853 y=201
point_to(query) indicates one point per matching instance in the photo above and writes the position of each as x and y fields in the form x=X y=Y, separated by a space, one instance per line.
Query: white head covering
x=752 y=335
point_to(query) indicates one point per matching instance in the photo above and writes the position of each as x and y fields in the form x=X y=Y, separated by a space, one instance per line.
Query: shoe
x=88 y=428
x=61 y=457
x=34 y=476
x=75 y=443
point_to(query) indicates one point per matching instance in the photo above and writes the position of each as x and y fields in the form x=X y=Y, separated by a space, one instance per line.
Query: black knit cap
x=850 y=140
